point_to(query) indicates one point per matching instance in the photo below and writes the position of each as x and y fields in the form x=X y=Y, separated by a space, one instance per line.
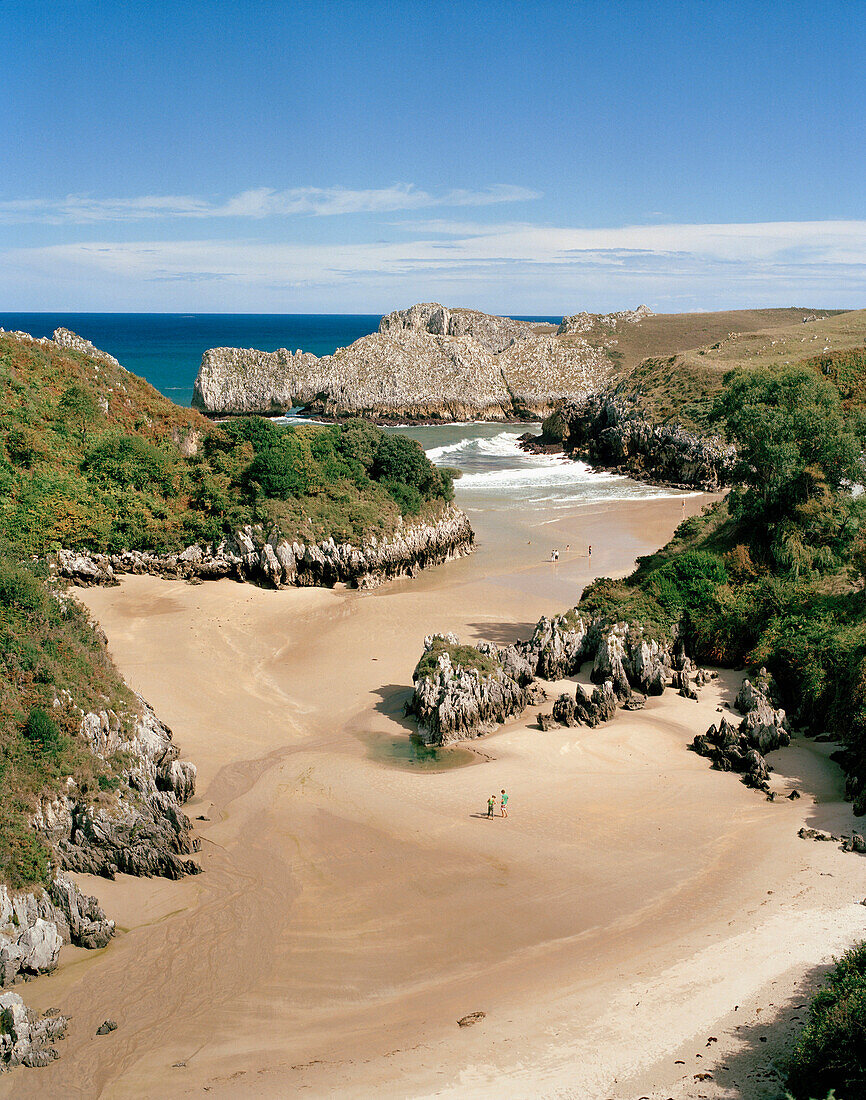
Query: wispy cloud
x=502 y=266
x=260 y=202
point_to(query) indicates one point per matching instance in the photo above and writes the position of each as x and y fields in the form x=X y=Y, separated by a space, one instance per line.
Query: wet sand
x=353 y=908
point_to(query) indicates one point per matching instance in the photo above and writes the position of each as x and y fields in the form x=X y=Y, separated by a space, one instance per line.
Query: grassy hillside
x=48 y=651
x=682 y=387
x=93 y=457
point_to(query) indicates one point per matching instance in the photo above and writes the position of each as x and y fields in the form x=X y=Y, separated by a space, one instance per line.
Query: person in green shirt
x=491 y=802
x=503 y=803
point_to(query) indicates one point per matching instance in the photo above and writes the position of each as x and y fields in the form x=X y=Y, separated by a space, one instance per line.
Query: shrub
x=687 y=581
x=285 y=469
x=831 y=1051
x=129 y=462
x=41 y=730
x=399 y=458
x=407 y=497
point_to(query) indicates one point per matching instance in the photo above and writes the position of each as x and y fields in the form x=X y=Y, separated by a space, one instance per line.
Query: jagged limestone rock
x=425 y=363
x=26 y=1038
x=250 y=555
x=742 y=749
x=610 y=431
x=585 y=322
x=455 y=703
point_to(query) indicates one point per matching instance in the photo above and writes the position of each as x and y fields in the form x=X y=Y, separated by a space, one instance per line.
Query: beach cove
x=355 y=904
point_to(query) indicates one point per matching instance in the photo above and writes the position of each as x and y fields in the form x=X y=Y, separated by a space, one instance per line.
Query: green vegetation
x=92 y=457
x=831 y=1051
x=47 y=649
x=466 y=656
x=773 y=575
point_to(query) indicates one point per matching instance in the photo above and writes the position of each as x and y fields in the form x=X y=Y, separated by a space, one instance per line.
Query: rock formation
x=34 y=925
x=610 y=431
x=63 y=338
x=139 y=831
x=26 y=1037
x=251 y=555
x=584 y=322
x=743 y=748
x=427 y=362
x=453 y=702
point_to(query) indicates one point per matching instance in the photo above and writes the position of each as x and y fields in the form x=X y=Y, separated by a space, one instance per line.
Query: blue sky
x=355 y=157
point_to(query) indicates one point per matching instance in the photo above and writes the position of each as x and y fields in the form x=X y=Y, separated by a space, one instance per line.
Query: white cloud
x=504 y=267
x=260 y=202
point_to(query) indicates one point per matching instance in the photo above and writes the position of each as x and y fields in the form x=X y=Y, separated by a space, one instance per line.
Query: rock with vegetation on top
x=610 y=431
x=250 y=555
x=143 y=831
x=461 y=693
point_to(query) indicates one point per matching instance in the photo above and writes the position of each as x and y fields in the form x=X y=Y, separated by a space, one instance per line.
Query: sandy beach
x=634 y=905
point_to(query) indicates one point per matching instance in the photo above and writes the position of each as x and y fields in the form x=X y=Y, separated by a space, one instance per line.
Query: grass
x=465 y=656
x=682 y=386
x=92 y=457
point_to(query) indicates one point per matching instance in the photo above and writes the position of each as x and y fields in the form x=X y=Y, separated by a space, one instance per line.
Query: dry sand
x=354 y=907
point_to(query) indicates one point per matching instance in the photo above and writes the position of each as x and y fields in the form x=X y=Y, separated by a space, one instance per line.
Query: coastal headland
x=432 y=363
x=355 y=906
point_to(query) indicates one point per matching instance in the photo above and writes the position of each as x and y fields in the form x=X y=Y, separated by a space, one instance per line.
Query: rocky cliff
x=427 y=362
x=140 y=828
x=610 y=431
x=137 y=828
x=251 y=555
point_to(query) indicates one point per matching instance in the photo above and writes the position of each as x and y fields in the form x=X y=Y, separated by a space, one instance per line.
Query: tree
x=792 y=435
x=399 y=458
x=79 y=409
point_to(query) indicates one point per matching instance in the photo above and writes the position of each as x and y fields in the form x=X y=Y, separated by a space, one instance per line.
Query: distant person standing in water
x=590 y=551
x=491 y=802
x=503 y=802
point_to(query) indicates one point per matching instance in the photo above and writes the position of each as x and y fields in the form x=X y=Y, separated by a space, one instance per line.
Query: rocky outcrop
x=742 y=748
x=493 y=333
x=426 y=363
x=35 y=924
x=453 y=702
x=610 y=431
x=64 y=338
x=26 y=1037
x=585 y=322
x=250 y=555
x=140 y=828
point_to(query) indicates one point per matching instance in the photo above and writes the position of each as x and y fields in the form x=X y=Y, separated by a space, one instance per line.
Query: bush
x=285 y=469
x=408 y=498
x=831 y=1052
x=687 y=581
x=129 y=462
x=399 y=458
x=41 y=730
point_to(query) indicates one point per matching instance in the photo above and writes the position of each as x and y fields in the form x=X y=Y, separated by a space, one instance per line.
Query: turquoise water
x=166 y=348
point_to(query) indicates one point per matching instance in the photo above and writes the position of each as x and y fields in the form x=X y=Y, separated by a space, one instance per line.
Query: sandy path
x=352 y=910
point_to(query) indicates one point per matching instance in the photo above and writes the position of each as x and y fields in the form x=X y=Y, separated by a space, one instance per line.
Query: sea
x=166 y=349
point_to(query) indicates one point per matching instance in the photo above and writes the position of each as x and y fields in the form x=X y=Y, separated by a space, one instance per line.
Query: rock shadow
x=503 y=633
x=392 y=700
x=756 y=1071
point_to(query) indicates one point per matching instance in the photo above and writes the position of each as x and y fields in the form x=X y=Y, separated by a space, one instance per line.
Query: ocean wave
x=502 y=445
